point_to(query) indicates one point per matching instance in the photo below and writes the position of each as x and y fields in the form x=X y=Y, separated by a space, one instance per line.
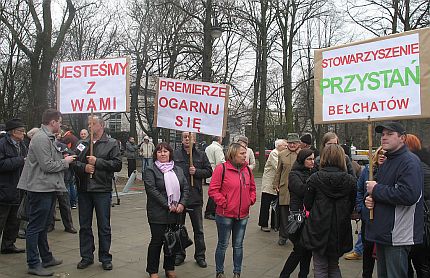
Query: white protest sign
x=380 y=78
x=192 y=106
x=93 y=85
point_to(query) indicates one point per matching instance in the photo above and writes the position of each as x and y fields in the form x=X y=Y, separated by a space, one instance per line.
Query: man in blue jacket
x=397 y=203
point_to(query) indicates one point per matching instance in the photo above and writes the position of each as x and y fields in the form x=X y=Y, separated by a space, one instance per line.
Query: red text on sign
x=193 y=88
x=101 y=104
x=91 y=85
x=369 y=107
x=188 y=122
x=92 y=70
x=372 y=55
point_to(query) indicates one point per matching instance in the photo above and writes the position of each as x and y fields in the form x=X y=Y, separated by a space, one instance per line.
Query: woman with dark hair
x=233 y=189
x=167 y=193
x=301 y=171
x=330 y=138
x=420 y=255
x=330 y=198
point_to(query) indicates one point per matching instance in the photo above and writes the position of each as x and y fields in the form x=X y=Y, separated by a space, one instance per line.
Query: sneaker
x=220 y=275
x=74 y=207
x=353 y=256
x=265 y=229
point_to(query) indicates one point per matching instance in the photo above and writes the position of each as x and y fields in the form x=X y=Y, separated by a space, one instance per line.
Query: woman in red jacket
x=233 y=189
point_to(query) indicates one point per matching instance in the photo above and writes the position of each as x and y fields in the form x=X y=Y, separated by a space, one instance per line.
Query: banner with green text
x=386 y=77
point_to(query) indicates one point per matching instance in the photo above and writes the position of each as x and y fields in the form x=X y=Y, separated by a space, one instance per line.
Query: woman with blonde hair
x=378 y=159
x=233 y=189
x=330 y=198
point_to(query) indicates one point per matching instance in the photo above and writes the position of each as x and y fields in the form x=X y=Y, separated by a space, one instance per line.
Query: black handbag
x=169 y=242
x=295 y=221
x=426 y=236
x=183 y=241
x=21 y=214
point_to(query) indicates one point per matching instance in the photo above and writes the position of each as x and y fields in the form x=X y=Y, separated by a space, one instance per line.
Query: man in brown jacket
x=286 y=160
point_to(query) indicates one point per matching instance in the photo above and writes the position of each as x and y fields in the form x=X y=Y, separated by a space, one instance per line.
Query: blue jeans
x=225 y=227
x=146 y=163
x=101 y=202
x=392 y=261
x=358 y=248
x=72 y=193
x=39 y=211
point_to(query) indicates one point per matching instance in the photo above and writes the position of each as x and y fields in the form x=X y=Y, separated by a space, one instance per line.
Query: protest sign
x=381 y=78
x=93 y=85
x=192 y=106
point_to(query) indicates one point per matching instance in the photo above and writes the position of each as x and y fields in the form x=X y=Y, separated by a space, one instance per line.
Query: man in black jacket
x=94 y=175
x=12 y=157
x=198 y=172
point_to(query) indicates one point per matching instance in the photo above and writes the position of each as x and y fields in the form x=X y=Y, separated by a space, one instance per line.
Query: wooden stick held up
x=191 y=155
x=370 y=138
x=91 y=136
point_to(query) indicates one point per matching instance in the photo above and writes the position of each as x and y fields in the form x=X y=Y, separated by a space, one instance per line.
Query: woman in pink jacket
x=233 y=189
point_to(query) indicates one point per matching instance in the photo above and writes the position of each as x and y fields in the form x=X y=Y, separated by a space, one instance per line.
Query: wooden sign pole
x=370 y=138
x=91 y=136
x=191 y=155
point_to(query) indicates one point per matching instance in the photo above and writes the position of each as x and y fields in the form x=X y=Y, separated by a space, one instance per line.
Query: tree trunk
x=261 y=124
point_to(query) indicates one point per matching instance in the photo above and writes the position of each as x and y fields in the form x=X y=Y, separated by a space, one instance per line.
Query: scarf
x=171 y=182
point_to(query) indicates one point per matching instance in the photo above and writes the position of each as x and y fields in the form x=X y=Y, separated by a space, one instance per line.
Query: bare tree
x=41 y=48
x=382 y=17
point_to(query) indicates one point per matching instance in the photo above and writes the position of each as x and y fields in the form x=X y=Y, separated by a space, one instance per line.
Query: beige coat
x=269 y=173
x=215 y=154
x=286 y=159
x=250 y=158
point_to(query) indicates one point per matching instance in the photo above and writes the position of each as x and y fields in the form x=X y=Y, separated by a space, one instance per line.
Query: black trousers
x=65 y=211
x=154 y=250
x=196 y=218
x=9 y=225
x=210 y=207
x=299 y=255
x=420 y=258
x=263 y=219
x=284 y=212
x=131 y=166
x=368 y=260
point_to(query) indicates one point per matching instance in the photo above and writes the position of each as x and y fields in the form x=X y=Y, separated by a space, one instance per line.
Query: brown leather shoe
x=154 y=275
x=170 y=274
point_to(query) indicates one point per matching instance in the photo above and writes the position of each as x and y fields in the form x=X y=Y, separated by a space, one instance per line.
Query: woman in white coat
x=268 y=194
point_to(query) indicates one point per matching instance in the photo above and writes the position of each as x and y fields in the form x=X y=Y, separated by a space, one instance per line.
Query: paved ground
x=130 y=238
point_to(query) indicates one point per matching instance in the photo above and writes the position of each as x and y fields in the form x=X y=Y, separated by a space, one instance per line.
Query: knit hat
x=244 y=139
x=303 y=154
x=306 y=138
x=14 y=123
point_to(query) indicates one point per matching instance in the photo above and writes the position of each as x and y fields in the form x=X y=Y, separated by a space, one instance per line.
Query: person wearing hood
x=301 y=171
x=233 y=189
x=330 y=198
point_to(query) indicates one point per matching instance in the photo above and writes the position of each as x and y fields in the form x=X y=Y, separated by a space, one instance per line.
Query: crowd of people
x=308 y=195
